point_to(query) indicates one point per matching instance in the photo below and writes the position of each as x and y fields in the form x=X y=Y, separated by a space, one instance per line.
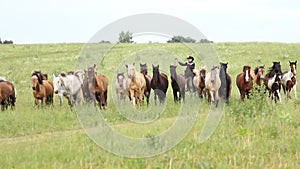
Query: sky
x=66 y=21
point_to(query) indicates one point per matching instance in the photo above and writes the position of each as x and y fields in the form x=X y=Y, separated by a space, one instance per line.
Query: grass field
x=256 y=133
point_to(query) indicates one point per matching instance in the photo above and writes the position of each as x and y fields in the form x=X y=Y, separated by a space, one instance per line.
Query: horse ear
x=226 y=63
x=95 y=65
x=133 y=64
x=54 y=75
x=126 y=66
x=152 y=66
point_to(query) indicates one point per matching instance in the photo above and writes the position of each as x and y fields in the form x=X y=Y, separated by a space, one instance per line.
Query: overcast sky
x=58 y=21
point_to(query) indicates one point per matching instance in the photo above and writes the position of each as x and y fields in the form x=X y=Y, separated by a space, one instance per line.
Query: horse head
x=120 y=79
x=57 y=83
x=144 y=68
x=202 y=73
x=293 y=66
x=91 y=72
x=155 y=72
x=215 y=71
x=276 y=67
x=223 y=66
x=130 y=70
x=173 y=71
x=36 y=78
x=246 y=70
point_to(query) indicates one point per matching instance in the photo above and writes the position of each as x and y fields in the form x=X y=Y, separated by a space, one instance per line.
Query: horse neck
x=157 y=77
x=258 y=79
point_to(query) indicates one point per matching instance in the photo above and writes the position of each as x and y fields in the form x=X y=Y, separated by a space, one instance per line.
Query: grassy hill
x=256 y=133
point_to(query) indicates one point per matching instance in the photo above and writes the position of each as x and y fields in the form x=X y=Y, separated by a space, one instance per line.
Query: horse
x=199 y=82
x=213 y=84
x=98 y=87
x=42 y=89
x=7 y=94
x=159 y=83
x=289 y=80
x=120 y=86
x=226 y=82
x=69 y=86
x=244 y=82
x=258 y=74
x=144 y=71
x=272 y=81
x=178 y=84
x=136 y=86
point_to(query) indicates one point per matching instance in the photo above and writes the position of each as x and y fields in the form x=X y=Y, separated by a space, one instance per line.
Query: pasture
x=256 y=133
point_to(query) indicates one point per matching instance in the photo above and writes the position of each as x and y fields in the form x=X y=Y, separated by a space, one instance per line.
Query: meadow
x=256 y=133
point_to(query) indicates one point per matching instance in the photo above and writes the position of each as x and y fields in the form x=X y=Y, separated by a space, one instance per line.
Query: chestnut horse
x=226 y=82
x=159 y=84
x=289 y=80
x=98 y=86
x=136 y=86
x=258 y=74
x=178 y=84
x=7 y=94
x=199 y=82
x=147 y=91
x=272 y=81
x=244 y=82
x=42 y=89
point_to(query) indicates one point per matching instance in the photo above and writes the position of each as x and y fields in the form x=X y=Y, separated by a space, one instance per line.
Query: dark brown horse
x=159 y=84
x=42 y=89
x=7 y=95
x=244 y=82
x=226 y=82
x=272 y=81
x=147 y=91
x=98 y=86
x=178 y=84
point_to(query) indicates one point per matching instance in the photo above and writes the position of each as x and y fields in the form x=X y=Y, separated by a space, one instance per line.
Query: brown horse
x=199 y=82
x=258 y=74
x=178 y=84
x=136 y=86
x=244 y=82
x=144 y=71
x=159 y=84
x=98 y=87
x=42 y=89
x=7 y=95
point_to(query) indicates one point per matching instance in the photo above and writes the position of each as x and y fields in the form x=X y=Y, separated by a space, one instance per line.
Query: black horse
x=178 y=84
x=226 y=82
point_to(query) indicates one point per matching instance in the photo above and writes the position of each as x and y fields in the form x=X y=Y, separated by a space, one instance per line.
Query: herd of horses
x=89 y=86
x=215 y=84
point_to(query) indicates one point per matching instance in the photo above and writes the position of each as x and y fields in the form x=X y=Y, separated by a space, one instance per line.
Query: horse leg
x=183 y=94
x=175 y=96
x=155 y=96
x=132 y=97
x=217 y=97
x=295 y=91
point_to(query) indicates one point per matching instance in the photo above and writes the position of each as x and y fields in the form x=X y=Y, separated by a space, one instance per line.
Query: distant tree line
x=126 y=37
x=181 y=39
x=6 y=41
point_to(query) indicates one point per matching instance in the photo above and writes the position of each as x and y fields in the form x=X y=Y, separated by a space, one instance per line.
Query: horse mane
x=39 y=76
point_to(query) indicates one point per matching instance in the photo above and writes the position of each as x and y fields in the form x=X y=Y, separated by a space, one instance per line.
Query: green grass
x=251 y=134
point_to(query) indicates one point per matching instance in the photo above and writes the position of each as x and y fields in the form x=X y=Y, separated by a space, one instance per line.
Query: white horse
x=289 y=80
x=121 y=86
x=213 y=84
x=69 y=86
